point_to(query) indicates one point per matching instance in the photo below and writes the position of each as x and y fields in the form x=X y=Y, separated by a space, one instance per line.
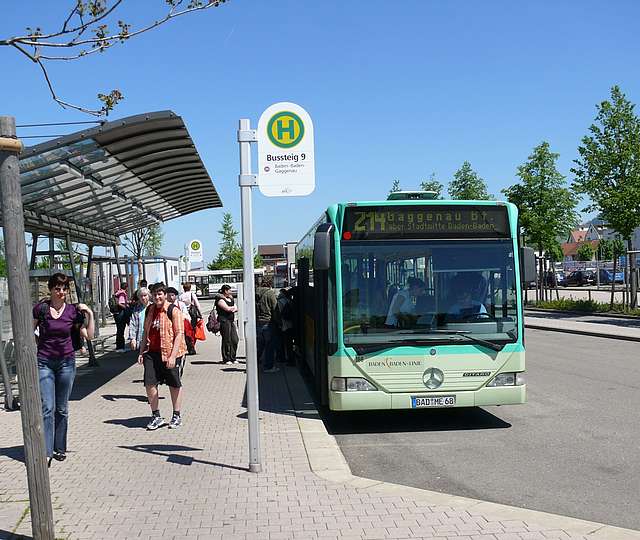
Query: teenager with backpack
x=226 y=309
x=162 y=355
x=60 y=329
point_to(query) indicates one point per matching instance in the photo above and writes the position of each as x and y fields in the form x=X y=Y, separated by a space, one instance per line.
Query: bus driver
x=469 y=289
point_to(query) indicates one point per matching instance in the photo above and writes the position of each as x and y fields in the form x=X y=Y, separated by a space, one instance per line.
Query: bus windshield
x=428 y=290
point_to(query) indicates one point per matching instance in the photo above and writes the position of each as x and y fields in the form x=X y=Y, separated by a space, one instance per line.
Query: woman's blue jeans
x=56 y=382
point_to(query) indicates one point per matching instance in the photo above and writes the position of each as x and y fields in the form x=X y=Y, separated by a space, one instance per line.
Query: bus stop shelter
x=92 y=186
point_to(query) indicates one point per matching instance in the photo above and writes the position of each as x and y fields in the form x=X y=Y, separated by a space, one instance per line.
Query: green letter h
x=290 y=129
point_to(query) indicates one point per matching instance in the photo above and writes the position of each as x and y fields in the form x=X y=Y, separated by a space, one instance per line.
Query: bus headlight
x=507 y=379
x=351 y=384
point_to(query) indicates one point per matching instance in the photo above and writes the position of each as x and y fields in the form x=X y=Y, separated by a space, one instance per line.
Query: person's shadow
x=137 y=422
x=13 y=452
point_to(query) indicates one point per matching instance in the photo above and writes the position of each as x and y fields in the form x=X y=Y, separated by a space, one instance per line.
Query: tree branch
x=103 y=40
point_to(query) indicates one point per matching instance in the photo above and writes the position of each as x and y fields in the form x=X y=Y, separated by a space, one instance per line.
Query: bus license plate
x=433 y=401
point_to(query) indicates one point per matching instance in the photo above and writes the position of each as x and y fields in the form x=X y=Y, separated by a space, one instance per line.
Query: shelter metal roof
x=124 y=175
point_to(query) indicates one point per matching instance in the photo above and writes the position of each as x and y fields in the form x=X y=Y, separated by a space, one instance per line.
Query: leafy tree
x=546 y=205
x=61 y=246
x=555 y=254
x=230 y=254
x=608 y=169
x=144 y=243
x=585 y=252
x=468 y=185
x=395 y=187
x=554 y=251
x=90 y=27
x=617 y=251
x=605 y=250
x=432 y=184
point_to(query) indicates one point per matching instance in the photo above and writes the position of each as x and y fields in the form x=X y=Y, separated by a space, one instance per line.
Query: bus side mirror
x=528 y=265
x=322 y=247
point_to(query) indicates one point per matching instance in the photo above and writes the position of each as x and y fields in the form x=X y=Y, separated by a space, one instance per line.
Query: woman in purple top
x=54 y=319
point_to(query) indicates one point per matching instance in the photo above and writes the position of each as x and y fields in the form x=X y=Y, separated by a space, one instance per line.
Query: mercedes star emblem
x=433 y=378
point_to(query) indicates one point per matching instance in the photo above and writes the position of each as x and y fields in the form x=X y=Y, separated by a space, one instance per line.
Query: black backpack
x=213 y=324
x=169 y=311
x=114 y=305
x=76 y=337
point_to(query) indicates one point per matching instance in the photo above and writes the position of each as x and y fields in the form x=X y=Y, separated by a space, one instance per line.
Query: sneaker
x=234 y=361
x=176 y=422
x=59 y=456
x=228 y=361
x=274 y=369
x=156 y=422
x=121 y=350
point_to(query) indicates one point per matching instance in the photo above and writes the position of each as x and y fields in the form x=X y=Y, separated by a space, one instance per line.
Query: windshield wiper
x=365 y=348
x=467 y=335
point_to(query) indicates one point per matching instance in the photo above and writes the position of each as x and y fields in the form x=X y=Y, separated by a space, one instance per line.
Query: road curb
x=327 y=462
x=583 y=313
x=589 y=333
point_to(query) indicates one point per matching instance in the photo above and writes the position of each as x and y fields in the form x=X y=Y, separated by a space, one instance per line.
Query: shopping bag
x=199 y=332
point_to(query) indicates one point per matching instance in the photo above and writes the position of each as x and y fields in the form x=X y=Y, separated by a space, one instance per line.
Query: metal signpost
x=194 y=251
x=286 y=168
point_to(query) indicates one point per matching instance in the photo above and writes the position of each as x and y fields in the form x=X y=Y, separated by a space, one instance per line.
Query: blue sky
x=396 y=89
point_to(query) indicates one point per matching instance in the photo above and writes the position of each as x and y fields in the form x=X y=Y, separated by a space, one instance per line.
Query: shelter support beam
x=117 y=257
x=34 y=251
x=52 y=253
x=25 y=347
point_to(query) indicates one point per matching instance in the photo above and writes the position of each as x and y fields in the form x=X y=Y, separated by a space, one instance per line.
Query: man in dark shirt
x=266 y=332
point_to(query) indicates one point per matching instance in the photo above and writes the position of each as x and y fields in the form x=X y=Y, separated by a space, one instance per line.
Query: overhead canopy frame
x=103 y=182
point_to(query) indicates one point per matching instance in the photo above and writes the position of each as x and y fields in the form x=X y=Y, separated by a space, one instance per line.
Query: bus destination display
x=425 y=221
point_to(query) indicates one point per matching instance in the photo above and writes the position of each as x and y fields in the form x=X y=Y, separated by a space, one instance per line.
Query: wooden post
x=34 y=249
x=77 y=279
x=52 y=253
x=104 y=295
x=10 y=403
x=25 y=346
x=115 y=254
x=74 y=275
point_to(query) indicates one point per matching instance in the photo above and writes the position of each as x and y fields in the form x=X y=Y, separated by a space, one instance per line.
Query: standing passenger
x=162 y=353
x=190 y=299
x=267 y=335
x=121 y=315
x=226 y=309
x=56 y=322
x=136 y=323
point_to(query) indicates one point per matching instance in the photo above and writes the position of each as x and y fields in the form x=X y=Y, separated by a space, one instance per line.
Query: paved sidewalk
x=589 y=325
x=121 y=481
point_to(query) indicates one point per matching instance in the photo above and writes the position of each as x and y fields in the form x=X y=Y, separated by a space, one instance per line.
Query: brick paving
x=120 y=481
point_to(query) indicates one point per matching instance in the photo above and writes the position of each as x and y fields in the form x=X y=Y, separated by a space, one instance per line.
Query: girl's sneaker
x=176 y=422
x=156 y=422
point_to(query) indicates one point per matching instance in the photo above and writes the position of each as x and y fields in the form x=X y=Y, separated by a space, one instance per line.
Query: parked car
x=551 y=279
x=579 y=278
x=606 y=276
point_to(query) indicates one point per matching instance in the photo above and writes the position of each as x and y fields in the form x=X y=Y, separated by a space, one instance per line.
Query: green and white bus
x=412 y=303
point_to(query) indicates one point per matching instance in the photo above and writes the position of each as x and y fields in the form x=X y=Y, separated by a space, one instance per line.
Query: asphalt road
x=573 y=449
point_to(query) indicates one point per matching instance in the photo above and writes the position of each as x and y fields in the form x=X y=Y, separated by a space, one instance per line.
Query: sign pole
x=247 y=181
